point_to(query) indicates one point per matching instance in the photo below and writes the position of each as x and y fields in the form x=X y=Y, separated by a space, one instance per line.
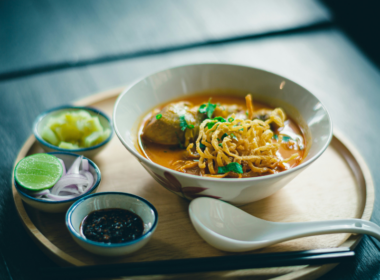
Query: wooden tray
x=337 y=186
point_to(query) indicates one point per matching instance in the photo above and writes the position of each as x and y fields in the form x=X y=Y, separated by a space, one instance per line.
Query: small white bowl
x=90 y=152
x=276 y=91
x=60 y=206
x=138 y=205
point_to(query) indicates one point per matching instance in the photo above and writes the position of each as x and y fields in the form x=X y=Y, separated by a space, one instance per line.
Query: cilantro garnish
x=224 y=135
x=210 y=125
x=275 y=137
x=286 y=138
x=183 y=123
x=231 y=167
x=219 y=119
x=221 y=145
x=202 y=146
x=234 y=137
x=208 y=109
x=159 y=116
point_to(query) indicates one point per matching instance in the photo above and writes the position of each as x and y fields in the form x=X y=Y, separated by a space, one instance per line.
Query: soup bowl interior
x=276 y=91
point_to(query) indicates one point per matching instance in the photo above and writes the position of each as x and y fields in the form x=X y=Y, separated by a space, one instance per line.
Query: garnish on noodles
x=222 y=140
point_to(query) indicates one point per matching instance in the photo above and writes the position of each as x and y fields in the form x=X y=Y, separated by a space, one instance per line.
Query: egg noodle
x=244 y=141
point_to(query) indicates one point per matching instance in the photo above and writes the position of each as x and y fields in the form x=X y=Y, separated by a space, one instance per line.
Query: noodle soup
x=221 y=136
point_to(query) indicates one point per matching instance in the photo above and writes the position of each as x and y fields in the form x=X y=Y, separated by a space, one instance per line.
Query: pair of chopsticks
x=310 y=257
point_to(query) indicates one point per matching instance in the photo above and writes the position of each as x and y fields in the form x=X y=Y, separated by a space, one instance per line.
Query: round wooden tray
x=337 y=186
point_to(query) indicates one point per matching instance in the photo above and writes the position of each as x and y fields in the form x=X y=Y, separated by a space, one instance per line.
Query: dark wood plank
x=44 y=33
x=325 y=62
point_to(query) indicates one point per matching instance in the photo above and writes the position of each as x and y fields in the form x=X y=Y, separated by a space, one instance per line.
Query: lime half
x=38 y=172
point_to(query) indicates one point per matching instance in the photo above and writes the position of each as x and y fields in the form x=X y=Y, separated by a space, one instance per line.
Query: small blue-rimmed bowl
x=138 y=205
x=59 y=206
x=42 y=120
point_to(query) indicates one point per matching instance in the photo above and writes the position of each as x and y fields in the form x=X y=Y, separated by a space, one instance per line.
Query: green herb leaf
x=159 y=116
x=224 y=136
x=231 y=167
x=210 y=109
x=183 y=123
x=221 y=145
x=203 y=108
x=286 y=138
x=246 y=113
x=202 y=146
x=210 y=125
x=234 y=137
x=241 y=129
x=230 y=119
x=275 y=137
x=219 y=119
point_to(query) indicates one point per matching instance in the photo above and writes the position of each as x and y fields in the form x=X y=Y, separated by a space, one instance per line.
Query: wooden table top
x=322 y=59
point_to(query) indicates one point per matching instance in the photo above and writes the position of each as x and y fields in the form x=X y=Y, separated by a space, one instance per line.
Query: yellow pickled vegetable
x=74 y=130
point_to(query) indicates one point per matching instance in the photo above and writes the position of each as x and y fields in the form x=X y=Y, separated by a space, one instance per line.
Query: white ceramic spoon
x=228 y=228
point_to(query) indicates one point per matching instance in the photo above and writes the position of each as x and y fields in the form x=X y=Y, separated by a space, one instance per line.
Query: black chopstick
x=310 y=257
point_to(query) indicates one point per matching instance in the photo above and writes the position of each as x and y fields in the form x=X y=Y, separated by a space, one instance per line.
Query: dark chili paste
x=113 y=225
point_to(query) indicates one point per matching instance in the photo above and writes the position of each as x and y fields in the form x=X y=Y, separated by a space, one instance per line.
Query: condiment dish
x=60 y=206
x=42 y=120
x=106 y=200
x=229 y=228
x=275 y=91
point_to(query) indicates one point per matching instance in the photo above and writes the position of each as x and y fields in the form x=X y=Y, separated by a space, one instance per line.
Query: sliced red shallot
x=69 y=179
x=85 y=165
x=60 y=198
x=74 y=169
x=40 y=193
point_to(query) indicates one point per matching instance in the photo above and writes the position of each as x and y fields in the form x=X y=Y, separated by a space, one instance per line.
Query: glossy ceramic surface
x=133 y=203
x=141 y=97
x=60 y=206
x=90 y=152
x=229 y=228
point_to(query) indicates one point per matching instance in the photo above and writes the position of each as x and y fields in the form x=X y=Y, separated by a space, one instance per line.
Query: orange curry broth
x=166 y=155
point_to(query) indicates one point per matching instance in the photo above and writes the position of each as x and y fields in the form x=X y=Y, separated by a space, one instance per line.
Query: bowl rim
x=51 y=146
x=229 y=180
x=72 y=208
x=96 y=184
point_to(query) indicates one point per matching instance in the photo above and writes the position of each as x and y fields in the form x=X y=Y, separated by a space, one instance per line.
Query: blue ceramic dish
x=138 y=205
x=44 y=117
x=60 y=206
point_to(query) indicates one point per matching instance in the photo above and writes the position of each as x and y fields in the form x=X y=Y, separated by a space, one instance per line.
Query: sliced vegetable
x=159 y=116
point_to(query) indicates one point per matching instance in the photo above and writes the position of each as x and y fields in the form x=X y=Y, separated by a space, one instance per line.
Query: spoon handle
x=296 y=230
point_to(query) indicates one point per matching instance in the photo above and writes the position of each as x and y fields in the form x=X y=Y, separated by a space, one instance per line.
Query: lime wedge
x=38 y=172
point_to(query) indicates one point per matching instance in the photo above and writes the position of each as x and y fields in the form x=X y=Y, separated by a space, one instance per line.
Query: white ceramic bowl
x=60 y=206
x=79 y=210
x=139 y=98
x=90 y=152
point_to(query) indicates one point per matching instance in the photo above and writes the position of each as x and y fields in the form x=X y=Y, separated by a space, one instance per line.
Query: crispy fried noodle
x=245 y=141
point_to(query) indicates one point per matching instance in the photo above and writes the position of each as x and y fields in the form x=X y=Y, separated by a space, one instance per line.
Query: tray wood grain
x=337 y=186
